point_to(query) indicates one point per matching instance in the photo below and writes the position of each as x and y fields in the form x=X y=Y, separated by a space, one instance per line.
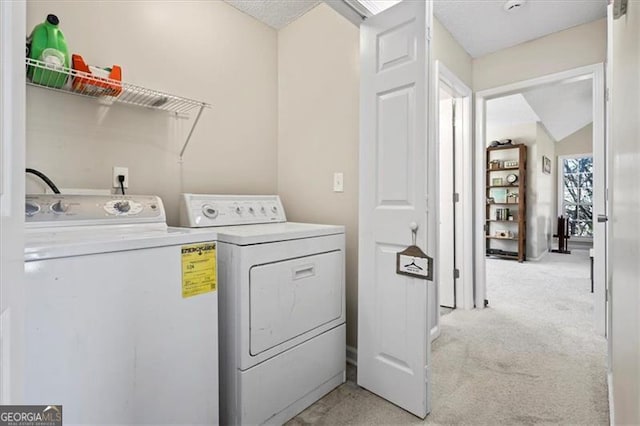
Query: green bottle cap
x=53 y=19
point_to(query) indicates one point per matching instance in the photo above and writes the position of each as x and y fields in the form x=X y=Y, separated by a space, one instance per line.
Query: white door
x=446 y=189
x=12 y=135
x=397 y=175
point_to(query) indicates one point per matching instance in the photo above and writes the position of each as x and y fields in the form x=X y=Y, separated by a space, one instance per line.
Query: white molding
x=480 y=261
x=349 y=10
x=612 y=412
x=352 y=356
x=543 y=254
x=576 y=74
x=594 y=72
x=12 y=162
x=435 y=331
x=464 y=183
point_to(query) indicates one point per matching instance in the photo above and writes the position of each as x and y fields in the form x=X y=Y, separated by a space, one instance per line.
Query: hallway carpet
x=532 y=357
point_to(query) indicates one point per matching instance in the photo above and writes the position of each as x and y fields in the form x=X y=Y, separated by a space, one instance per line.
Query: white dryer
x=121 y=321
x=282 y=306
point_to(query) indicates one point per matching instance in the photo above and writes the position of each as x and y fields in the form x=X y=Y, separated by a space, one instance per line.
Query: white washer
x=282 y=306
x=109 y=334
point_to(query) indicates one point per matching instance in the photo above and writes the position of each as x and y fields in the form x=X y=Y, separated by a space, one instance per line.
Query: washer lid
x=50 y=243
x=243 y=235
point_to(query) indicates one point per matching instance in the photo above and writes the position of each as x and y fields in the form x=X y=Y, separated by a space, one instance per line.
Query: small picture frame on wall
x=546 y=165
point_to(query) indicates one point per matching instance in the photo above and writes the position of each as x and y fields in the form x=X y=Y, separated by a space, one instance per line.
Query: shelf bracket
x=193 y=126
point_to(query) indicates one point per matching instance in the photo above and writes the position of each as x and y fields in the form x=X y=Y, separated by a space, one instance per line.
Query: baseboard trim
x=612 y=419
x=352 y=356
x=543 y=254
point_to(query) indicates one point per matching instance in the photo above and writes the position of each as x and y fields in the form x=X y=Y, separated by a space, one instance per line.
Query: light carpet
x=532 y=357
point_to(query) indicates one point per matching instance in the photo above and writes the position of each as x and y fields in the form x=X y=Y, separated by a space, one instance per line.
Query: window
x=576 y=194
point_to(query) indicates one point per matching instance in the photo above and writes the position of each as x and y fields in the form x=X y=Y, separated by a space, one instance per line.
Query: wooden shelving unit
x=517 y=227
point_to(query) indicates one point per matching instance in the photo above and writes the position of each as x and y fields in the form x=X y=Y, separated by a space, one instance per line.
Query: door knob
x=414 y=232
x=602 y=218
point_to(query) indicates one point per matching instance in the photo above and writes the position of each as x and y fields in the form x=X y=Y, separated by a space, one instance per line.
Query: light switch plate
x=338 y=182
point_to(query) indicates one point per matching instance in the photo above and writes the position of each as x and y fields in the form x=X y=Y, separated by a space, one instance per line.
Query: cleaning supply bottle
x=48 y=45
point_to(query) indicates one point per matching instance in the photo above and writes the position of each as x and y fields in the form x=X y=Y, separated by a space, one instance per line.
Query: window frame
x=560 y=190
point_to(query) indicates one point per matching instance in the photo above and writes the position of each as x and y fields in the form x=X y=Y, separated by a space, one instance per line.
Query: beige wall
x=318 y=96
x=546 y=187
x=579 y=142
x=447 y=50
x=318 y=129
x=575 y=47
x=208 y=51
x=624 y=217
x=540 y=186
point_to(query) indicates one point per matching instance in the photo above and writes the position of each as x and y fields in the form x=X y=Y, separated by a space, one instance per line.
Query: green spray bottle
x=47 y=44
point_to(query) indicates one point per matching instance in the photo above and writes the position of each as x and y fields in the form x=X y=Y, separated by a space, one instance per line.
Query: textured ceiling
x=563 y=109
x=275 y=13
x=483 y=26
x=480 y=26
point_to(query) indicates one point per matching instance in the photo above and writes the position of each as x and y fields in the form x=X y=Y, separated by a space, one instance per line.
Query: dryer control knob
x=122 y=206
x=251 y=210
x=209 y=211
x=59 y=207
x=274 y=209
x=31 y=208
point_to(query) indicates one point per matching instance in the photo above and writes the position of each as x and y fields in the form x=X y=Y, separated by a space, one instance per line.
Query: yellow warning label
x=198 y=269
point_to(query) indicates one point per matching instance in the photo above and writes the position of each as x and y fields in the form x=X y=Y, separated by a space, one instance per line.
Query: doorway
x=593 y=78
x=454 y=286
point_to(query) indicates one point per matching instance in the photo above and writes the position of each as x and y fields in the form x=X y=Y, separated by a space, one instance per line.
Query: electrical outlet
x=120 y=171
x=338 y=182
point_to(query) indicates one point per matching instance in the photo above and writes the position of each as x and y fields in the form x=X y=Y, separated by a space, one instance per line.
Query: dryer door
x=292 y=297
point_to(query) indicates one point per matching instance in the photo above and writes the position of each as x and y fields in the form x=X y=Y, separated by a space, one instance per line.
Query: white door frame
x=463 y=182
x=12 y=152
x=609 y=88
x=594 y=72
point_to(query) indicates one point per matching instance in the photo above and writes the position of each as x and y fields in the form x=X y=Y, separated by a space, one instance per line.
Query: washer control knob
x=59 y=207
x=122 y=206
x=263 y=210
x=31 y=208
x=251 y=210
x=274 y=209
x=238 y=210
x=209 y=211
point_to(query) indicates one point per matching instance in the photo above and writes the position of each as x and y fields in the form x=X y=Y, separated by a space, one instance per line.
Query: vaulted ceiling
x=563 y=109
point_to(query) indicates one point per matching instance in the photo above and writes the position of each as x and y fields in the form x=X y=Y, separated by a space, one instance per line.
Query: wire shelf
x=108 y=91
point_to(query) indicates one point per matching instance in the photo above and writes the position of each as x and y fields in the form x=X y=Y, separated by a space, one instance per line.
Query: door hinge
x=456 y=274
x=456 y=197
x=485 y=227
